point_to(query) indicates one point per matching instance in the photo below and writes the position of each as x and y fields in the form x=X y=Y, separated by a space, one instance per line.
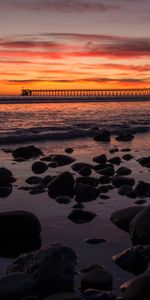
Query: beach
x=75 y=128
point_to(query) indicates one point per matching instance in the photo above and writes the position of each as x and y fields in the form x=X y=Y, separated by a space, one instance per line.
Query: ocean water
x=39 y=121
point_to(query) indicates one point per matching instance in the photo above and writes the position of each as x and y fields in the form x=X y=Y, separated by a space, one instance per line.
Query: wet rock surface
x=26 y=152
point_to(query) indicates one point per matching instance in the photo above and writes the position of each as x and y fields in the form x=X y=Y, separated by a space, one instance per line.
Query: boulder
x=127 y=157
x=16 y=286
x=59 y=159
x=39 y=167
x=139 y=227
x=125 y=189
x=69 y=150
x=115 y=160
x=52 y=269
x=103 y=135
x=122 y=217
x=88 y=180
x=125 y=137
x=63 y=199
x=142 y=188
x=19 y=224
x=26 y=152
x=101 y=159
x=118 y=181
x=85 y=171
x=85 y=192
x=139 y=288
x=104 y=179
x=108 y=171
x=80 y=165
x=144 y=161
x=5 y=190
x=61 y=185
x=6 y=177
x=98 y=279
x=79 y=216
x=123 y=171
x=34 y=180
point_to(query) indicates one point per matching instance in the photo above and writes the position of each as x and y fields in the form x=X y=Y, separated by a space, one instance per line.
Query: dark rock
x=61 y=185
x=140 y=201
x=115 y=160
x=125 y=137
x=122 y=217
x=118 y=181
x=63 y=199
x=105 y=197
x=69 y=150
x=101 y=159
x=6 y=177
x=102 y=166
x=64 y=296
x=104 y=189
x=34 y=180
x=139 y=288
x=108 y=171
x=132 y=194
x=85 y=171
x=144 y=161
x=52 y=269
x=104 y=179
x=79 y=216
x=85 y=192
x=95 y=240
x=142 y=188
x=103 y=136
x=37 y=191
x=47 y=179
x=18 y=224
x=93 y=294
x=89 y=268
x=26 y=152
x=140 y=227
x=62 y=160
x=39 y=167
x=123 y=171
x=15 y=286
x=79 y=205
x=126 y=149
x=125 y=189
x=78 y=166
x=97 y=279
x=5 y=191
x=113 y=150
x=127 y=157
x=132 y=260
x=88 y=180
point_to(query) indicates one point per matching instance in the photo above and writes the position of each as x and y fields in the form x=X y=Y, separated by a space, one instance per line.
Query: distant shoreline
x=38 y=99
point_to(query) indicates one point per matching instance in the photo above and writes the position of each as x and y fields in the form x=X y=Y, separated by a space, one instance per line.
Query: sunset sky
x=74 y=44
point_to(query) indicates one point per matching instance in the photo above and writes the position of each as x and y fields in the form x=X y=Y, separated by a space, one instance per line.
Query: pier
x=90 y=93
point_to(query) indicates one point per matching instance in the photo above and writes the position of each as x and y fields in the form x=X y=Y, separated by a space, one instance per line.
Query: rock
x=123 y=171
x=19 y=224
x=122 y=217
x=125 y=137
x=104 y=189
x=144 y=161
x=88 y=180
x=108 y=171
x=105 y=197
x=6 y=177
x=85 y=192
x=103 y=136
x=115 y=160
x=125 y=189
x=61 y=185
x=127 y=157
x=52 y=269
x=126 y=149
x=102 y=166
x=47 y=179
x=118 y=181
x=140 y=227
x=101 y=159
x=63 y=199
x=139 y=288
x=132 y=194
x=78 y=205
x=142 y=188
x=104 y=179
x=26 y=152
x=85 y=171
x=132 y=260
x=37 y=191
x=5 y=191
x=69 y=150
x=17 y=285
x=113 y=150
x=79 y=216
x=79 y=166
x=89 y=268
x=140 y=202
x=34 y=180
x=39 y=167
x=95 y=241
x=64 y=296
x=59 y=160
x=97 y=279
x=93 y=294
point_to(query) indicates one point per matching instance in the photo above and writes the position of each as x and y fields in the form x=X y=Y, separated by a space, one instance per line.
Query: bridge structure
x=99 y=93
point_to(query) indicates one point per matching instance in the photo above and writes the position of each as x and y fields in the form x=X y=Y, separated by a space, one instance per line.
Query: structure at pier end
x=102 y=93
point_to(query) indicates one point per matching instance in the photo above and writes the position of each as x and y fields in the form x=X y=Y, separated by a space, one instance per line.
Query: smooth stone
x=47 y=179
x=78 y=205
x=17 y=285
x=102 y=166
x=64 y=296
x=144 y=161
x=142 y=188
x=132 y=194
x=6 y=177
x=122 y=217
x=132 y=260
x=19 y=224
x=85 y=192
x=39 y=167
x=85 y=171
x=5 y=191
x=98 y=279
x=103 y=136
x=89 y=268
x=61 y=185
x=127 y=157
x=95 y=241
x=115 y=160
x=105 y=197
x=140 y=201
x=113 y=150
x=126 y=149
x=125 y=189
x=104 y=179
x=118 y=181
x=123 y=171
x=63 y=199
x=79 y=216
x=26 y=152
x=108 y=171
x=125 y=137
x=88 y=180
x=62 y=160
x=80 y=165
x=69 y=150
x=101 y=159
x=104 y=189
x=52 y=269
x=93 y=294
x=34 y=180
x=37 y=191
x=139 y=288
x=140 y=227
